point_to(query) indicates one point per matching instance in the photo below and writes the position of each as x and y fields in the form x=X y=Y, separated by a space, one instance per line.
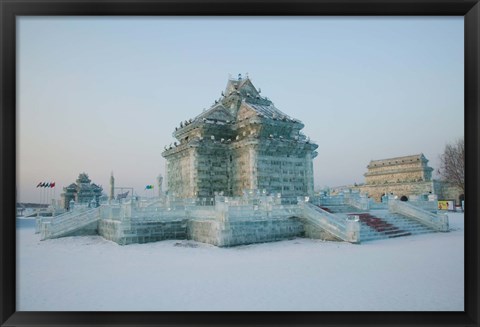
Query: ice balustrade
x=254 y=208
x=69 y=222
x=341 y=227
x=146 y=203
x=431 y=206
x=131 y=210
x=156 y=211
x=378 y=205
x=247 y=212
x=330 y=200
x=156 y=215
x=358 y=201
x=354 y=199
x=438 y=222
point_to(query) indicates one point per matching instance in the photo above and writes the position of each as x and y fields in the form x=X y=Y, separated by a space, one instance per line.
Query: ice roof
x=414 y=157
x=269 y=111
x=214 y=108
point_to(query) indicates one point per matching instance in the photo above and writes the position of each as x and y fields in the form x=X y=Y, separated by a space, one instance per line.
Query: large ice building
x=225 y=174
x=242 y=142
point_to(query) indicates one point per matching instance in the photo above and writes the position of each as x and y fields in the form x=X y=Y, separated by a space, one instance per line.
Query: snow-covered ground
x=415 y=273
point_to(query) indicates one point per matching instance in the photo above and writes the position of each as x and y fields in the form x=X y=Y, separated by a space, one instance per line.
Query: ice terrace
x=253 y=218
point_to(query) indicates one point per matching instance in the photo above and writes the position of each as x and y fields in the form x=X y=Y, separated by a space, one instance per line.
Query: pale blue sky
x=104 y=94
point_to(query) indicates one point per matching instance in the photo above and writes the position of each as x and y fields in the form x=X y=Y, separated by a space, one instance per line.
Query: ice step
x=382 y=225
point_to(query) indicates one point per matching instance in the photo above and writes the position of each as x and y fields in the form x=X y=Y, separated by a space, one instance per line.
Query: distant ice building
x=82 y=191
x=405 y=177
x=243 y=142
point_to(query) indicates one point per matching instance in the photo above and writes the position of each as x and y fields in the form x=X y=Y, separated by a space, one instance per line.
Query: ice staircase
x=379 y=224
x=382 y=225
x=68 y=223
x=408 y=224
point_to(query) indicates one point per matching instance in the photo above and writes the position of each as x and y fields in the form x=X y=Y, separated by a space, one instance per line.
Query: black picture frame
x=10 y=9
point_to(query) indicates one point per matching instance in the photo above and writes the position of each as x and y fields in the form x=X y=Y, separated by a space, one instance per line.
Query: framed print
x=239 y=163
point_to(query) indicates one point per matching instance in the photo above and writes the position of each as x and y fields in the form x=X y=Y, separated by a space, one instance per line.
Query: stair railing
x=438 y=222
x=68 y=222
x=342 y=228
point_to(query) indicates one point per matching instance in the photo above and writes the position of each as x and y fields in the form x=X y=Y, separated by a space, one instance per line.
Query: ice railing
x=130 y=210
x=147 y=203
x=68 y=222
x=41 y=220
x=378 y=205
x=156 y=215
x=438 y=222
x=341 y=227
x=161 y=210
x=357 y=200
x=326 y=200
x=351 y=198
x=250 y=206
x=253 y=208
x=246 y=212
